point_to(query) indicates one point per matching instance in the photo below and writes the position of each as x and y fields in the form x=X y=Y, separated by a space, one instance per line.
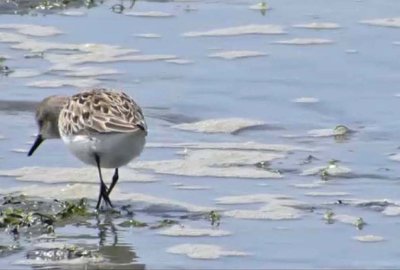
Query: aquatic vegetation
x=6 y=250
x=4 y=69
x=261 y=6
x=332 y=169
x=63 y=4
x=341 y=133
x=341 y=130
x=265 y=165
x=49 y=5
x=309 y=159
x=15 y=217
x=328 y=216
x=360 y=223
x=262 y=164
x=164 y=223
x=73 y=209
x=324 y=173
x=18 y=212
x=33 y=7
x=158 y=224
x=77 y=191
x=57 y=251
x=215 y=218
x=133 y=223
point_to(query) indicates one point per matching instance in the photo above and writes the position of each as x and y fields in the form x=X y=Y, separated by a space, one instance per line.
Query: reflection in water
x=104 y=226
x=342 y=138
x=118 y=255
x=119 y=8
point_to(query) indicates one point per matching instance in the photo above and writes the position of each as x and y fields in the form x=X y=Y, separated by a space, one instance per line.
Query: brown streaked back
x=101 y=111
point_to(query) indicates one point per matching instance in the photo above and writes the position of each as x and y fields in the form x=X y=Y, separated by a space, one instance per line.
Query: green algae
x=70 y=209
x=164 y=223
x=4 y=69
x=156 y=225
x=58 y=252
x=328 y=216
x=18 y=212
x=133 y=223
x=360 y=223
x=215 y=218
x=33 y=7
x=326 y=172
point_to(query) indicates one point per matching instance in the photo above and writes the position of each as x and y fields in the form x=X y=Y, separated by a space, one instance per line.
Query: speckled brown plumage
x=100 y=111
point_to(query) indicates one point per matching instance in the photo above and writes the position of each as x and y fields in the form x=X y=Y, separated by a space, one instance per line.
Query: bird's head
x=46 y=117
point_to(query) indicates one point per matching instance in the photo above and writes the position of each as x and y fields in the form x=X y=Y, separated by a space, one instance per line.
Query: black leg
x=114 y=181
x=103 y=188
x=103 y=194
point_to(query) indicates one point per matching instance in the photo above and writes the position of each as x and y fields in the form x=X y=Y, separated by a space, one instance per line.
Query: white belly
x=113 y=149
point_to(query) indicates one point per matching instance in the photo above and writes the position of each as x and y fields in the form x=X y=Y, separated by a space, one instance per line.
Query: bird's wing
x=101 y=111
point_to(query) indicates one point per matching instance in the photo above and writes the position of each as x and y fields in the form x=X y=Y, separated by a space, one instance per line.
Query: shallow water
x=296 y=95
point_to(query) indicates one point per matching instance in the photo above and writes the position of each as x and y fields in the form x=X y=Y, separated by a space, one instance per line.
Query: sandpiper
x=100 y=127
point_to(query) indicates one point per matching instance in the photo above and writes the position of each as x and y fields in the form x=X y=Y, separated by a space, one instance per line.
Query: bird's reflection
x=341 y=138
x=118 y=254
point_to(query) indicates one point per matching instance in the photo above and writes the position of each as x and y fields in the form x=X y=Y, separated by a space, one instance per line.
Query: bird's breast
x=113 y=149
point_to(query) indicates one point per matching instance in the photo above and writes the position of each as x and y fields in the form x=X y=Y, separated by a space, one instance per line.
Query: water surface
x=353 y=80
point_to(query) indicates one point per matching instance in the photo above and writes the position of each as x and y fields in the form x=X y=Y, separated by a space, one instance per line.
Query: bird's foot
x=103 y=194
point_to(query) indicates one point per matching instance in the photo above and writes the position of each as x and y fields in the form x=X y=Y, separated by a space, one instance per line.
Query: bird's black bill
x=38 y=141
